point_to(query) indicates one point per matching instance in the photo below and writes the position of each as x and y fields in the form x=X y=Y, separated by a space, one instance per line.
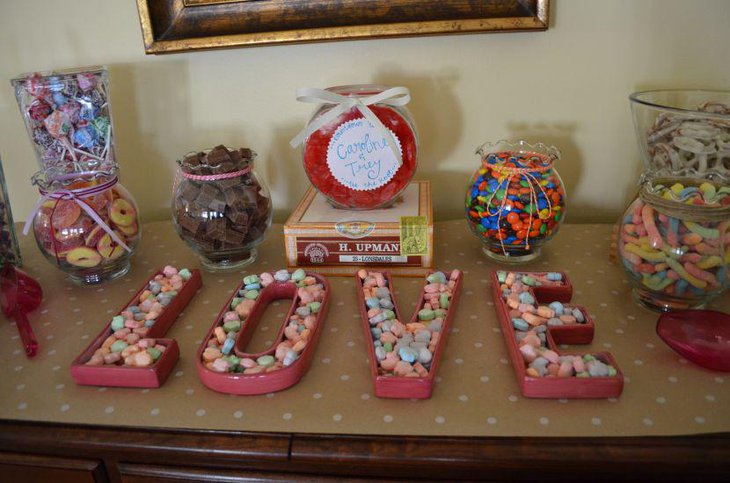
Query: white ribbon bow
x=395 y=96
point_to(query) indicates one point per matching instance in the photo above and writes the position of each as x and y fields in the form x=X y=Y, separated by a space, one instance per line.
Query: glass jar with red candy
x=515 y=201
x=357 y=163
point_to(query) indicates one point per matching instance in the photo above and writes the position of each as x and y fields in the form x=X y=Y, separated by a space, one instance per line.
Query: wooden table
x=671 y=421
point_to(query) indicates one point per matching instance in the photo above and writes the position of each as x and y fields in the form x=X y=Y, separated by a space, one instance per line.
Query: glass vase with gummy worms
x=85 y=222
x=675 y=243
x=515 y=200
x=674 y=238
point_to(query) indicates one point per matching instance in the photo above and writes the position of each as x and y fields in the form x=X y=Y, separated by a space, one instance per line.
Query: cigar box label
x=316 y=253
x=377 y=251
x=413 y=235
x=354 y=229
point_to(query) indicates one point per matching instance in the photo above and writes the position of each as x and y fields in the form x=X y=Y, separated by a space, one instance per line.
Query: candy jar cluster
x=674 y=240
x=515 y=201
x=85 y=222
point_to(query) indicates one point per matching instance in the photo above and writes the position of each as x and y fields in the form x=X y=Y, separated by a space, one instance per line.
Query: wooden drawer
x=142 y=473
x=15 y=467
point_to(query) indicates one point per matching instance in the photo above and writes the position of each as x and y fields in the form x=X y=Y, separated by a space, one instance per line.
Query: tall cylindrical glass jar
x=355 y=163
x=683 y=133
x=67 y=114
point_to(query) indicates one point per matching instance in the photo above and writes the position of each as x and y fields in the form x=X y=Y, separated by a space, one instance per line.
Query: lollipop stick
x=27 y=336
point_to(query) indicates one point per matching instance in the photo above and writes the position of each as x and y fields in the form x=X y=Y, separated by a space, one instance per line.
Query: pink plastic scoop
x=19 y=295
x=700 y=336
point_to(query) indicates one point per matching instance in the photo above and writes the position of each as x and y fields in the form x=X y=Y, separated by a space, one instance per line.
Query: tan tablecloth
x=476 y=394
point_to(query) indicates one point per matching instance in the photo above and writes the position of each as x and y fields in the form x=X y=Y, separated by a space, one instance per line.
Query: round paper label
x=359 y=157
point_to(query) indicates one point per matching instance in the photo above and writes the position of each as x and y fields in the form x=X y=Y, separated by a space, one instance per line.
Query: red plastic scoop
x=20 y=294
x=701 y=336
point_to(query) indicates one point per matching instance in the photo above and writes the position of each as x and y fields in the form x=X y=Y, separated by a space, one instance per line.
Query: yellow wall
x=567 y=86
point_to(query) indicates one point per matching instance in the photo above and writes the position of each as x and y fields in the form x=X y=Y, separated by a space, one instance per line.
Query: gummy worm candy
x=700 y=274
x=647 y=214
x=677 y=267
x=652 y=257
x=701 y=230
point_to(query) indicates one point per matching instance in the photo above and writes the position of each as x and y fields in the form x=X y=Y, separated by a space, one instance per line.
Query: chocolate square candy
x=224 y=167
x=215 y=228
x=234 y=238
x=192 y=159
x=207 y=194
x=218 y=155
x=263 y=205
x=232 y=194
x=247 y=154
x=210 y=190
x=239 y=219
x=189 y=223
x=190 y=190
x=217 y=205
x=203 y=170
x=205 y=244
x=251 y=194
x=236 y=157
x=228 y=183
x=239 y=204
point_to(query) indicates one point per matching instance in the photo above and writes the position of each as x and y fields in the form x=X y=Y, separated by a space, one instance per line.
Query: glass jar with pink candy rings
x=86 y=223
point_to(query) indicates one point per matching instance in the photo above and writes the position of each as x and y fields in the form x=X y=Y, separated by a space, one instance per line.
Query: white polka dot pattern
x=475 y=392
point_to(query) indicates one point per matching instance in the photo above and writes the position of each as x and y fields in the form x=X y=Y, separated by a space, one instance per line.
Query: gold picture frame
x=170 y=26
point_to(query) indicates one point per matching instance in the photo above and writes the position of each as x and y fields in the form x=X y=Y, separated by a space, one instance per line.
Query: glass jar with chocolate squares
x=220 y=208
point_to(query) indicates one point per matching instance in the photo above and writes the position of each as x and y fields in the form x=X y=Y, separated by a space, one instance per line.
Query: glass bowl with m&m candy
x=515 y=201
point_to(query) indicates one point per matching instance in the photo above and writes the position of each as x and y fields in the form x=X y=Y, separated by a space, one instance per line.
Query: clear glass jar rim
x=46 y=180
x=94 y=69
x=502 y=145
x=635 y=97
x=181 y=161
x=680 y=209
